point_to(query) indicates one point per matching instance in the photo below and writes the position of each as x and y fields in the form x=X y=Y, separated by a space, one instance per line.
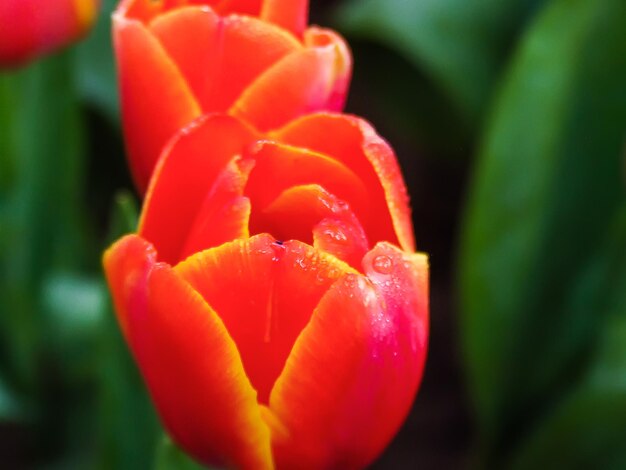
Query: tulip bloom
x=253 y=59
x=32 y=27
x=272 y=297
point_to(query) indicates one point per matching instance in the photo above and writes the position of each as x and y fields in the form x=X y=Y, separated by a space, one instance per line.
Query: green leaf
x=547 y=187
x=129 y=427
x=461 y=44
x=42 y=203
x=587 y=430
x=125 y=215
x=169 y=457
x=11 y=408
x=74 y=302
x=8 y=103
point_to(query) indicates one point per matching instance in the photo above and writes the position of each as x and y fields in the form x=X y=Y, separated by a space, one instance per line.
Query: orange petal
x=191 y=37
x=292 y=15
x=250 y=47
x=156 y=101
x=321 y=37
x=191 y=366
x=265 y=293
x=147 y=10
x=309 y=213
x=355 y=144
x=127 y=264
x=218 y=56
x=86 y=12
x=225 y=213
x=142 y=10
x=184 y=177
x=343 y=237
x=279 y=167
x=227 y=7
x=197 y=380
x=353 y=372
x=302 y=82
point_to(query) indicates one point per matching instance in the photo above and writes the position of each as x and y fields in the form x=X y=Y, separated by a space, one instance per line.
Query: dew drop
x=350 y=281
x=383 y=264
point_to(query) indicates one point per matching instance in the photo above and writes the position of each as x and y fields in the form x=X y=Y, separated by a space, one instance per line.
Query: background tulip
x=32 y=27
x=314 y=346
x=252 y=59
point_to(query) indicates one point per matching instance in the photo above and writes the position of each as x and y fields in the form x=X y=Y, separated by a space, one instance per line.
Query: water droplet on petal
x=350 y=280
x=383 y=264
x=332 y=273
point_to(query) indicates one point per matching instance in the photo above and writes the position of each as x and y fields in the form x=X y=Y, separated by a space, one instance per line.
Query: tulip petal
x=19 y=32
x=265 y=293
x=320 y=37
x=279 y=167
x=191 y=365
x=314 y=216
x=184 y=177
x=218 y=56
x=146 y=10
x=357 y=362
x=342 y=237
x=355 y=144
x=127 y=264
x=302 y=82
x=142 y=10
x=197 y=379
x=225 y=213
x=156 y=101
x=191 y=37
x=243 y=7
x=292 y=15
x=250 y=47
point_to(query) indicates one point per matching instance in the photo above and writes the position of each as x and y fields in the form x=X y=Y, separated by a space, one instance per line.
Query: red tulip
x=32 y=27
x=271 y=297
x=179 y=59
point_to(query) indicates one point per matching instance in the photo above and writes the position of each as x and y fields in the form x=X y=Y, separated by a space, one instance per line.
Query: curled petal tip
x=126 y=265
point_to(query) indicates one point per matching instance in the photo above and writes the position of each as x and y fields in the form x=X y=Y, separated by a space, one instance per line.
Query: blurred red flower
x=29 y=28
x=253 y=59
x=271 y=297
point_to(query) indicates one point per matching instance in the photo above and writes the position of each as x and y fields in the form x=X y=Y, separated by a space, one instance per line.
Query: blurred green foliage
x=531 y=94
x=168 y=456
x=461 y=44
x=67 y=382
x=536 y=265
x=543 y=250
